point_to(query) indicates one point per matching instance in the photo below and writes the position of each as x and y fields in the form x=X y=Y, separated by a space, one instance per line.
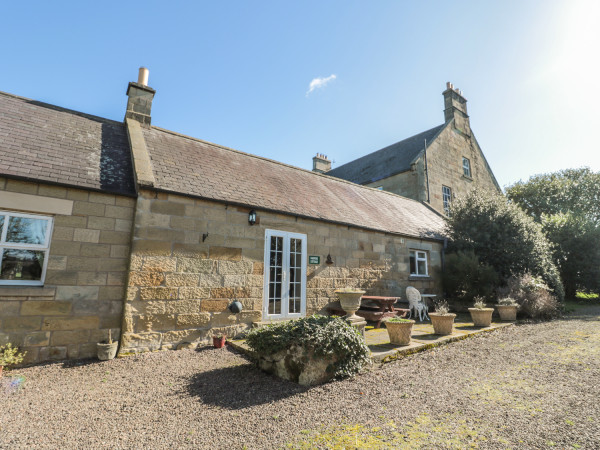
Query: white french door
x=285 y=275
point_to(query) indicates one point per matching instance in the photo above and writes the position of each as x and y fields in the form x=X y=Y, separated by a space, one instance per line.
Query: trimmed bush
x=533 y=296
x=502 y=235
x=319 y=336
x=466 y=278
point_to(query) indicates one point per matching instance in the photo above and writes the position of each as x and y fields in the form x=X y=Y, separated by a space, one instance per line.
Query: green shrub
x=502 y=235
x=326 y=335
x=9 y=355
x=533 y=296
x=465 y=277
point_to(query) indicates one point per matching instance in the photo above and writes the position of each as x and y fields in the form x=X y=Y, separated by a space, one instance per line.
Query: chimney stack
x=140 y=96
x=455 y=108
x=321 y=164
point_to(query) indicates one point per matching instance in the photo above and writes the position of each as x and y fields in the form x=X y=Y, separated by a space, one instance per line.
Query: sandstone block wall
x=85 y=280
x=190 y=258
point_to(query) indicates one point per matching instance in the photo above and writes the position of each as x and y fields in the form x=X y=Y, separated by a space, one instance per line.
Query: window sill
x=418 y=277
x=467 y=178
x=26 y=291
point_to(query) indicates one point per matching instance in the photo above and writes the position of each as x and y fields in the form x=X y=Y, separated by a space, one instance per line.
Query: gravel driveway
x=528 y=386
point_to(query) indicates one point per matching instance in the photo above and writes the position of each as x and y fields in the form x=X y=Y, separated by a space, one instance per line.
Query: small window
x=466 y=167
x=447 y=199
x=24 y=243
x=418 y=263
x=379 y=188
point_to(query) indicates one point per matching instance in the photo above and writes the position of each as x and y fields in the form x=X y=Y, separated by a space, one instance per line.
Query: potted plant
x=481 y=316
x=442 y=319
x=219 y=341
x=10 y=355
x=399 y=330
x=507 y=308
x=107 y=349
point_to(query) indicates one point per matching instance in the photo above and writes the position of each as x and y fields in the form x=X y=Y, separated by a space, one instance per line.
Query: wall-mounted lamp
x=235 y=307
x=252 y=217
x=329 y=261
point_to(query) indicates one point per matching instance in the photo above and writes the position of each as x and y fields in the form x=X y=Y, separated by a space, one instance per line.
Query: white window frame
x=419 y=255
x=45 y=247
x=287 y=236
x=467 y=167
x=446 y=198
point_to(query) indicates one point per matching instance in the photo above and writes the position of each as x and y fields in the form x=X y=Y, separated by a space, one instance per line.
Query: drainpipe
x=426 y=171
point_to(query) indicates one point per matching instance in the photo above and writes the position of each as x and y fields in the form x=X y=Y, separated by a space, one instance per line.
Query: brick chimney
x=455 y=107
x=140 y=96
x=321 y=164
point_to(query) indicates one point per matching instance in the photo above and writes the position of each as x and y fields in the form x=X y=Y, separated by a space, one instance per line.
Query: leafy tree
x=502 y=235
x=575 y=191
x=567 y=204
x=466 y=278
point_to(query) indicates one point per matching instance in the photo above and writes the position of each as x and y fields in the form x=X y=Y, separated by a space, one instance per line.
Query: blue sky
x=237 y=73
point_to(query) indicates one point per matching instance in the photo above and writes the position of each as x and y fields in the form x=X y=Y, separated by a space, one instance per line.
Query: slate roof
x=43 y=142
x=189 y=166
x=385 y=162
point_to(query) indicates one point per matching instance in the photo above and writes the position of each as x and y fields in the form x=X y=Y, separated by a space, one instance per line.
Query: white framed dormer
x=284 y=275
x=24 y=248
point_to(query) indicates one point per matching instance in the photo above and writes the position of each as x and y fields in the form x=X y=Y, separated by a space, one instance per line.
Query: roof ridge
x=324 y=175
x=59 y=108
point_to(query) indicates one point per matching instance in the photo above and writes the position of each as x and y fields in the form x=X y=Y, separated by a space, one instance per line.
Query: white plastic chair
x=416 y=304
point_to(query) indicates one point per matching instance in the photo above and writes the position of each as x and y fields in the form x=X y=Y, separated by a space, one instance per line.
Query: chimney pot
x=447 y=85
x=143 y=76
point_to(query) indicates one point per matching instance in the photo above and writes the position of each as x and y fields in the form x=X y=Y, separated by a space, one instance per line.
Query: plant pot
x=218 y=342
x=482 y=317
x=350 y=303
x=399 y=332
x=443 y=324
x=107 y=351
x=507 y=312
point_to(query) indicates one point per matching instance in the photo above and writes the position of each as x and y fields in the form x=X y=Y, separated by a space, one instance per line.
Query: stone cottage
x=434 y=166
x=152 y=234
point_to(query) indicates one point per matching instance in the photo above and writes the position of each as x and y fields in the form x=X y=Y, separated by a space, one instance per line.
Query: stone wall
x=444 y=161
x=87 y=268
x=190 y=258
x=410 y=184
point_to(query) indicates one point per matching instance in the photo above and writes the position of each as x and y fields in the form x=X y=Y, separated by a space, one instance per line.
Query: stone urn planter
x=399 y=330
x=350 y=302
x=443 y=324
x=482 y=317
x=107 y=350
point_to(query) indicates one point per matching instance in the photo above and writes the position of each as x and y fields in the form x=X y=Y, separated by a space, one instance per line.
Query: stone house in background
x=435 y=166
x=152 y=234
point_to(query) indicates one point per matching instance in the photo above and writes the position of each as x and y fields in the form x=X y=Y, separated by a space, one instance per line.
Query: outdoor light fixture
x=329 y=261
x=235 y=307
x=252 y=217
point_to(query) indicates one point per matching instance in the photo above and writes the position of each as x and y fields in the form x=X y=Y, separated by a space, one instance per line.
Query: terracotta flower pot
x=443 y=324
x=507 y=312
x=107 y=351
x=399 y=332
x=219 y=341
x=482 y=317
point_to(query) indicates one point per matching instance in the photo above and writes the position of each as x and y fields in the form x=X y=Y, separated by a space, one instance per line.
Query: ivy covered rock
x=311 y=350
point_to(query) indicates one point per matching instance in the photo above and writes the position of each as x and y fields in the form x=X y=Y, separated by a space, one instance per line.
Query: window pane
x=1 y=224
x=413 y=263
x=22 y=264
x=26 y=230
x=422 y=267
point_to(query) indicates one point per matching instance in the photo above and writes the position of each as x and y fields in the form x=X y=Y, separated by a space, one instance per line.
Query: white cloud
x=318 y=83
